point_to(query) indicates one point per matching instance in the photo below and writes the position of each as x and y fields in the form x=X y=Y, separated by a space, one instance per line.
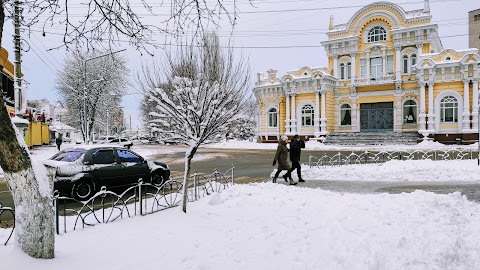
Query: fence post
x=140 y=181
x=233 y=175
x=55 y=204
x=194 y=185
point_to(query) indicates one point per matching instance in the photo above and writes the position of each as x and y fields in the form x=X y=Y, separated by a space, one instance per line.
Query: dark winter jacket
x=58 y=141
x=296 y=149
x=282 y=156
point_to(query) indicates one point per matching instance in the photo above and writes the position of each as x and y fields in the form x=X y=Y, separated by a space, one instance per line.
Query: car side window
x=115 y=140
x=103 y=157
x=127 y=156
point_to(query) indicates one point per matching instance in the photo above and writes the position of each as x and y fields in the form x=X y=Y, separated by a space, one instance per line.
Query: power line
x=270 y=11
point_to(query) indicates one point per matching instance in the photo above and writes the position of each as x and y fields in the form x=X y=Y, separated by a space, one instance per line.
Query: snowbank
x=268 y=226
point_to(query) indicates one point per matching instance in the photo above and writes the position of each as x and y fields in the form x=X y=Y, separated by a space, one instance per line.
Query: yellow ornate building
x=387 y=71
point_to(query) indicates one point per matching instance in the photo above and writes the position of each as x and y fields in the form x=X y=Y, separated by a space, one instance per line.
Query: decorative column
x=398 y=111
x=293 y=121
x=316 y=120
x=431 y=113
x=335 y=66
x=354 y=113
x=354 y=61
x=419 y=50
x=384 y=63
x=466 y=106
x=368 y=65
x=475 y=106
x=398 y=64
x=323 y=116
x=287 y=112
x=422 y=115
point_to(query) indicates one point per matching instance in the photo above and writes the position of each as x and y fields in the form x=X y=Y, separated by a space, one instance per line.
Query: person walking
x=296 y=146
x=59 y=141
x=282 y=157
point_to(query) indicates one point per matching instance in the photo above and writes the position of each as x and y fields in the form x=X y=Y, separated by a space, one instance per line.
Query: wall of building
x=474 y=29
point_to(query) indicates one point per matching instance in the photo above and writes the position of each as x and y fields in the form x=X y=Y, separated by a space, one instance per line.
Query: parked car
x=104 y=139
x=81 y=171
x=121 y=141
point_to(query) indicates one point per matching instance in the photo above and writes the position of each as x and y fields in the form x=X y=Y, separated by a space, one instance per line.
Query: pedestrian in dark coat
x=282 y=157
x=59 y=141
x=296 y=146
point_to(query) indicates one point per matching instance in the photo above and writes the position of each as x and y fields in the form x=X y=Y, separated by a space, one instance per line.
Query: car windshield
x=68 y=155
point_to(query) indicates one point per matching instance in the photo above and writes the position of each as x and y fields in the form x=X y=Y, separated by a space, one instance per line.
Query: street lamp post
x=85 y=119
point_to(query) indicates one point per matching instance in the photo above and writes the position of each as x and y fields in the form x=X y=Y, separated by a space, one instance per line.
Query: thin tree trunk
x=31 y=190
x=188 y=160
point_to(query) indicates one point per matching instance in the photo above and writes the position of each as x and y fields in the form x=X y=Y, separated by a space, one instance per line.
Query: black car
x=82 y=170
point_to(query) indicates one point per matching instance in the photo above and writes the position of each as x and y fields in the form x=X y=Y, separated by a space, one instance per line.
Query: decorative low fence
x=7 y=220
x=139 y=200
x=366 y=157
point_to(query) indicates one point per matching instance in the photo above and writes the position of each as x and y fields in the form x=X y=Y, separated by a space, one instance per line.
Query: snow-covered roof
x=59 y=126
x=18 y=120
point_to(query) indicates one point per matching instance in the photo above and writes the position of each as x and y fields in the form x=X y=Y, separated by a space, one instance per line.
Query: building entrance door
x=376 y=117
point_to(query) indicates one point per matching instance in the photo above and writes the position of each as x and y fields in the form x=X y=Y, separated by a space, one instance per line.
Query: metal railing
x=141 y=199
x=5 y=211
x=366 y=157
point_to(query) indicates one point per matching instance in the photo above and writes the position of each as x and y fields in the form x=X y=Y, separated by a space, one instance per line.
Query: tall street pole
x=18 y=61
x=87 y=135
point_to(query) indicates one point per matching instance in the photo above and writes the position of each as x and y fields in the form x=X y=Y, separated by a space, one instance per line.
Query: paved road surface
x=256 y=166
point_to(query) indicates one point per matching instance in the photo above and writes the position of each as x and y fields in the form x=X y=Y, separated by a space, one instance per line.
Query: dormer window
x=377 y=34
x=448 y=58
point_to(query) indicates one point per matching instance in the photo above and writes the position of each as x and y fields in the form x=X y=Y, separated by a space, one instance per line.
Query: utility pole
x=18 y=55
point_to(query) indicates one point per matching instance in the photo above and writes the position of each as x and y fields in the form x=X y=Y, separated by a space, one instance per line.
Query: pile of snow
x=269 y=226
x=398 y=171
x=316 y=145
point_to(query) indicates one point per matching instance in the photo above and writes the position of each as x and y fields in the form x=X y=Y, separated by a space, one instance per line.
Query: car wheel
x=158 y=179
x=83 y=190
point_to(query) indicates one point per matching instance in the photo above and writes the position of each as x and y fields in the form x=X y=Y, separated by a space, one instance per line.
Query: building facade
x=474 y=29
x=387 y=71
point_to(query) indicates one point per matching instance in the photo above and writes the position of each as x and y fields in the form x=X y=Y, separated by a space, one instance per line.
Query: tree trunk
x=188 y=160
x=31 y=190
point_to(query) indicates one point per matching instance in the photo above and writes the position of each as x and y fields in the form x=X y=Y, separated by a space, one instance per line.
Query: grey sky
x=283 y=40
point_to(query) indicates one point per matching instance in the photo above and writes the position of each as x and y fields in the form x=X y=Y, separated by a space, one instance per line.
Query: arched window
x=272 y=118
x=405 y=64
x=449 y=110
x=377 y=34
x=410 y=112
x=342 y=71
x=413 y=57
x=345 y=115
x=307 y=116
x=349 y=70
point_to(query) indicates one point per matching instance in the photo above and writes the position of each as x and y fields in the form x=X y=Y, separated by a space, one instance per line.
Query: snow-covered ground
x=398 y=171
x=268 y=226
x=274 y=226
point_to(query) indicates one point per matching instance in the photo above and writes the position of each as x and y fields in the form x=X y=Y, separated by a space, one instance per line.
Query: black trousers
x=296 y=165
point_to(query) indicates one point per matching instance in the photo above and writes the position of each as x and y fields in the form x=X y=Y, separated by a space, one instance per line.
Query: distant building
x=386 y=71
x=474 y=29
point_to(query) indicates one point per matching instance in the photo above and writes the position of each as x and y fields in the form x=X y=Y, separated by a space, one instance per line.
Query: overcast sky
x=278 y=34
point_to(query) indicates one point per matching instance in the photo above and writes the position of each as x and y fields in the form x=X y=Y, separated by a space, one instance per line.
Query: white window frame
x=349 y=70
x=343 y=110
x=271 y=114
x=376 y=67
x=447 y=100
x=307 y=113
x=377 y=34
x=405 y=113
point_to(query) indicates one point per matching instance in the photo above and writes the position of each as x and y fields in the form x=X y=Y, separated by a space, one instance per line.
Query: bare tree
x=103 y=84
x=101 y=22
x=206 y=90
